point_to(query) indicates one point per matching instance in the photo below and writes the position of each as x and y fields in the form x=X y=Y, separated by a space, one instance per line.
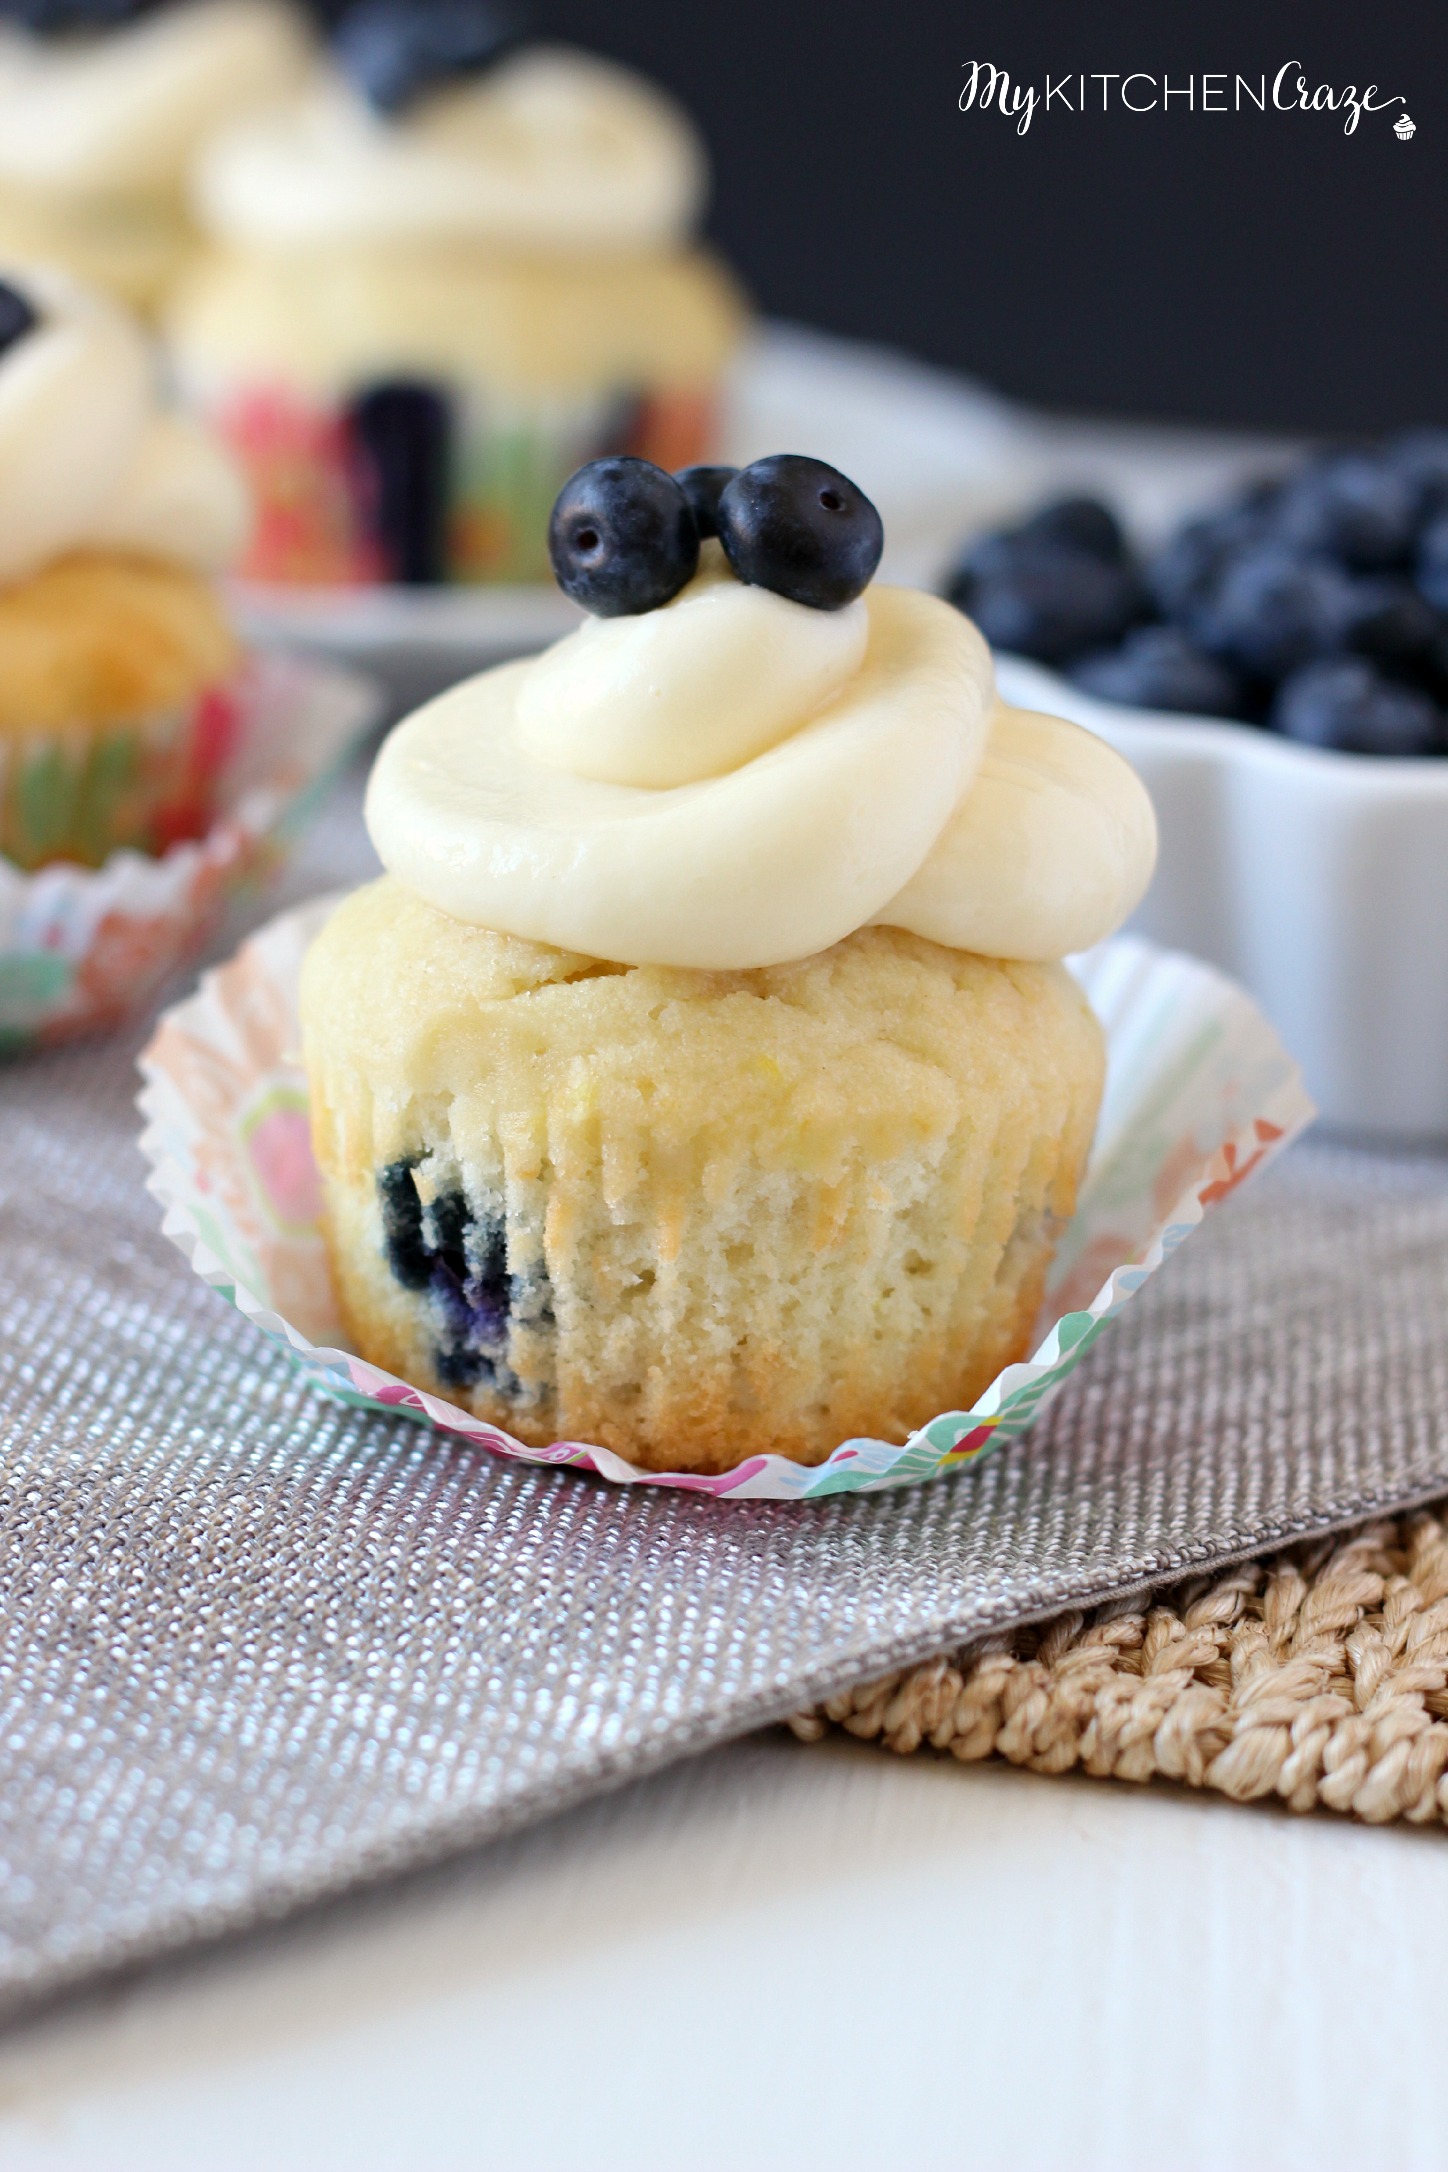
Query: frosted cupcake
x=701 y=1079
x=439 y=283
x=115 y=654
x=103 y=106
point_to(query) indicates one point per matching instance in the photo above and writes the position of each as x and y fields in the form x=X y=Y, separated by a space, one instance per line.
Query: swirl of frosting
x=736 y=780
x=89 y=459
x=126 y=112
x=551 y=149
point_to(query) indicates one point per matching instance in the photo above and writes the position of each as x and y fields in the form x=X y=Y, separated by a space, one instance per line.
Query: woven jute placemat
x=1318 y=1677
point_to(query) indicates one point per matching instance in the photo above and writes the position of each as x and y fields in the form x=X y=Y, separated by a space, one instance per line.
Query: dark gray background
x=1253 y=269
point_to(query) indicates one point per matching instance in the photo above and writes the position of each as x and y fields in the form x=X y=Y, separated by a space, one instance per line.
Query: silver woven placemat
x=256 y=1648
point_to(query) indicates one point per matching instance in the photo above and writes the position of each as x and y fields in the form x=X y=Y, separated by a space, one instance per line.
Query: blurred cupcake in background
x=103 y=107
x=440 y=280
x=117 y=664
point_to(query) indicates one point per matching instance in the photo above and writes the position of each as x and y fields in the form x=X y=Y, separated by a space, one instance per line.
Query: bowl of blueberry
x=1276 y=668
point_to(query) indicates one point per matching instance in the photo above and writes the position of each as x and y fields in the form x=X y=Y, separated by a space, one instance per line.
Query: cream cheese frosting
x=125 y=111
x=736 y=780
x=551 y=149
x=90 y=457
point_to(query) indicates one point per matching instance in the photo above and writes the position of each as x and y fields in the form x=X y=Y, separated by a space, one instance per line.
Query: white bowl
x=1317 y=880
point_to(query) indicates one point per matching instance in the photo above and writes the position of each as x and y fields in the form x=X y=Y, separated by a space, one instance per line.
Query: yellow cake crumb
x=100 y=639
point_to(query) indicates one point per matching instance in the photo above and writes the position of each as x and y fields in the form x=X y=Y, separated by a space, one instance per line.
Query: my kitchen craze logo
x=988 y=88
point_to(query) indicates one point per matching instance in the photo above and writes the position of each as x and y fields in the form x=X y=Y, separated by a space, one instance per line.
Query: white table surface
x=803 y=1957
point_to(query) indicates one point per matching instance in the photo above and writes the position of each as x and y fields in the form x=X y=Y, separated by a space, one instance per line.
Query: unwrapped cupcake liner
x=1200 y=1094
x=492 y=461
x=81 y=948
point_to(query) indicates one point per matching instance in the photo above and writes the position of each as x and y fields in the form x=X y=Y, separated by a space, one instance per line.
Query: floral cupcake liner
x=1200 y=1095
x=420 y=482
x=81 y=948
x=82 y=794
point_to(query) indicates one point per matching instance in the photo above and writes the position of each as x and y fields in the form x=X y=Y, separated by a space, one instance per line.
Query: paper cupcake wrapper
x=80 y=794
x=320 y=520
x=81 y=948
x=1200 y=1095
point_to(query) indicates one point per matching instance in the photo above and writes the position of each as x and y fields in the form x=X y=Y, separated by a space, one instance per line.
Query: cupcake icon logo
x=1403 y=128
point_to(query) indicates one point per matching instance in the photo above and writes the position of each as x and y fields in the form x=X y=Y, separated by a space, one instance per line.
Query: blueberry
x=1271 y=610
x=1361 y=510
x=488 y=1286
x=985 y=558
x=408 y=1254
x=1347 y=705
x=1389 y=621
x=401 y=432
x=1431 y=572
x=469 y=1274
x=1422 y=456
x=622 y=537
x=458 y=1257
x=1054 y=604
x=1431 y=671
x=394 y=51
x=17 y=316
x=471 y=1295
x=1080 y=524
x=703 y=487
x=1081 y=527
x=1261 y=497
x=445 y=1226
x=457 y=1366
x=1158 y=667
x=800 y=528
x=1184 y=570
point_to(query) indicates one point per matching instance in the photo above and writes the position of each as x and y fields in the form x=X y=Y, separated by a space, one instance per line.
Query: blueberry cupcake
x=103 y=106
x=115 y=653
x=701 y=1079
x=439 y=281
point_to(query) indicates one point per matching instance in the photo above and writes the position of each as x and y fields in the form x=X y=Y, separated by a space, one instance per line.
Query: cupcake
x=115 y=653
x=439 y=281
x=103 y=106
x=701 y=1079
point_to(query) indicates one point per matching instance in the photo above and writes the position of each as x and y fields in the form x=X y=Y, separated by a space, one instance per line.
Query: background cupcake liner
x=481 y=466
x=1200 y=1095
x=83 y=793
x=82 y=947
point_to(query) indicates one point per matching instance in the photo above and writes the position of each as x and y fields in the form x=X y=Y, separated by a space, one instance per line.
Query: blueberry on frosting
x=703 y=487
x=622 y=537
x=800 y=528
x=395 y=51
x=18 y=316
